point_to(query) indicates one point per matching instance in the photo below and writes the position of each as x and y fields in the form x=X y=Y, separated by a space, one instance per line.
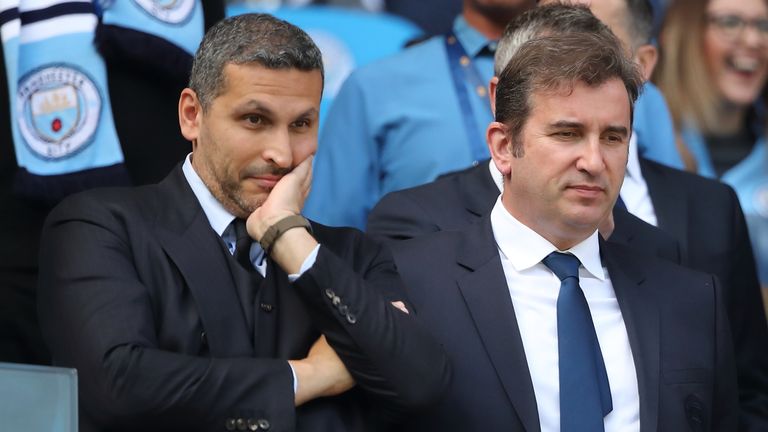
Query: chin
x=585 y=219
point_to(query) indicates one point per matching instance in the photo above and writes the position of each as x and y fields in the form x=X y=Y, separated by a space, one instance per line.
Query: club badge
x=58 y=110
x=169 y=11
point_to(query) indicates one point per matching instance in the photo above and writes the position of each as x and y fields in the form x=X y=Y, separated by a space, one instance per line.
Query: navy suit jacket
x=674 y=317
x=701 y=226
x=136 y=293
x=705 y=218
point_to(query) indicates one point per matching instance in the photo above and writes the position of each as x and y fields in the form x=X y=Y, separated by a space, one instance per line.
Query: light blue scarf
x=158 y=35
x=64 y=135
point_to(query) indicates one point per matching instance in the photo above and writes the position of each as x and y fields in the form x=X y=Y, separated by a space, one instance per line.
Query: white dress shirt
x=634 y=190
x=534 y=290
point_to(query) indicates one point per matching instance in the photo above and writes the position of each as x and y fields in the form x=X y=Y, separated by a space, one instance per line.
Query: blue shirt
x=394 y=124
x=654 y=128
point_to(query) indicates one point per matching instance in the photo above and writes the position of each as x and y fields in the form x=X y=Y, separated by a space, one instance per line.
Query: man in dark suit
x=206 y=302
x=659 y=356
x=702 y=216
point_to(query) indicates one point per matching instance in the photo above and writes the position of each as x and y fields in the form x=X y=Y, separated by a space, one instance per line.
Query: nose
x=591 y=158
x=278 y=149
x=752 y=36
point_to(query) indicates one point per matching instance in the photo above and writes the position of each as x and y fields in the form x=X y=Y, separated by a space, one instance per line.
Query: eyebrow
x=621 y=130
x=254 y=105
x=576 y=125
x=565 y=124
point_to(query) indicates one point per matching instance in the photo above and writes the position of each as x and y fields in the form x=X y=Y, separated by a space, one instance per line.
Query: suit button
x=329 y=293
x=264 y=424
x=351 y=318
x=343 y=309
x=253 y=424
x=336 y=300
x=203 y=338
x=266 y=307
x=241 y=424
x=230 y=424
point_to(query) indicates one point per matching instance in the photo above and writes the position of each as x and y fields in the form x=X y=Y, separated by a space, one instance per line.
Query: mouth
x=266 y=181
x=587 y=191
x=745 y=66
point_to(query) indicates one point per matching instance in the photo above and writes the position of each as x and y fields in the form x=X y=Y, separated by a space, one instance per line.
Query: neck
x=562 y=237
x=731 y=120
x=478 y=20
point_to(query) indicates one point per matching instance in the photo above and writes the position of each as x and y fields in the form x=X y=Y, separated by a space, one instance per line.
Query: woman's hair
x=682 y=73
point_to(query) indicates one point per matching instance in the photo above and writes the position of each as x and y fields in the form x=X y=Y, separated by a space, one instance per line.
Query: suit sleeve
x=725 y=411
x=98 y=316
x=345 y=182
x=399 y=217
x=749 y=328
x=388 y=353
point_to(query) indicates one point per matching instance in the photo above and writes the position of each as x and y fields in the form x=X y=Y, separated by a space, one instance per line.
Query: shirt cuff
x=295 y=380
x=309 y=261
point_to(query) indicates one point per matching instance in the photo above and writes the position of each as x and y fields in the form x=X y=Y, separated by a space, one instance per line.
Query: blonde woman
x=713 y=68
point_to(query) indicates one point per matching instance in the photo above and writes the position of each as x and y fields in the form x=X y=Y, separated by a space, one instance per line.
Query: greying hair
x=557 y=62
x=639 y=20
x=249 y=38
x=553 y=18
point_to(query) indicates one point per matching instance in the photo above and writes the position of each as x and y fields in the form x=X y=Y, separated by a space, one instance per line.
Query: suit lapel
x=669 y=203
x=186 y=235
x=621 y=234
x=478 y=190
x=485 y=292
x=640 y=311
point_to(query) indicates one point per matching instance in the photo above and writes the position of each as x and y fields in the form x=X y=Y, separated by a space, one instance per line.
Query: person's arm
x=725 y=412
x=398 y=217
x=351 y=301
x=748 y=324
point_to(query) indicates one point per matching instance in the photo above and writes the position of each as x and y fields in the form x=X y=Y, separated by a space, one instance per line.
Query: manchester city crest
x=169 y=11
x=58 y=110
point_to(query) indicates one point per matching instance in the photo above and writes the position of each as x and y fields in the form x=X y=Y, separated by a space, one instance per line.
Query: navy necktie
x=585 y=394
x=243 y=243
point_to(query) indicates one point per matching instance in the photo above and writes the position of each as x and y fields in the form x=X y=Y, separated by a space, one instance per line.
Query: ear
x=500 y=145
x=646 y=56
x=492 y=93
x=190 y=112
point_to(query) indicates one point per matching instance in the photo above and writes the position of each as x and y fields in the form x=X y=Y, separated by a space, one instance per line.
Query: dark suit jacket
x=705 y=217
x=700 y=215
x=136 y=293
x=463 y=197
x=674 y=317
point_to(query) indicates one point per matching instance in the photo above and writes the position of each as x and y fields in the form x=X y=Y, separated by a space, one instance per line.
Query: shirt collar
x=218 y=216
x=524 y=247
x=633 y=161
x=496 y=175
x=472 y=40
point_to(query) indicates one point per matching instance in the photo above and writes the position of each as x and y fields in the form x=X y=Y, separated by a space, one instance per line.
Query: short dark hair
x=560 y=61
x=250 y=38
x=639 y=21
